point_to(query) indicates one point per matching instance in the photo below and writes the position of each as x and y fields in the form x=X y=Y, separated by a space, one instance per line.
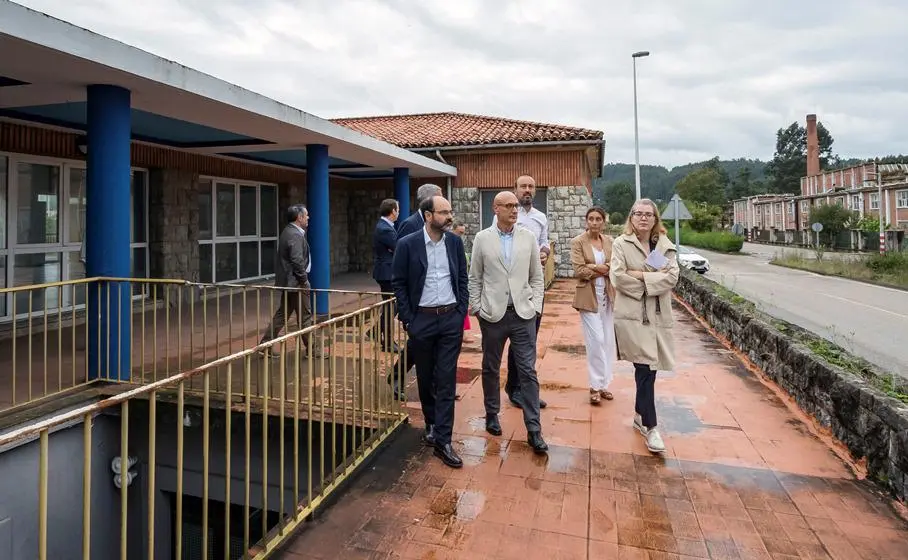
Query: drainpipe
x=442 y=159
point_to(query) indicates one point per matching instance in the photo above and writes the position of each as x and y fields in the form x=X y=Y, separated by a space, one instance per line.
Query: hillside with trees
x=708 y=187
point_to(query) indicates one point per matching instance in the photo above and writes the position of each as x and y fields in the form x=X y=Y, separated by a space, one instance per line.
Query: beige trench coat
x=643 y=309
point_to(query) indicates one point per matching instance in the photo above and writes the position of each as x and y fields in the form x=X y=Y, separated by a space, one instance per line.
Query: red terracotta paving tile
x=743 y=477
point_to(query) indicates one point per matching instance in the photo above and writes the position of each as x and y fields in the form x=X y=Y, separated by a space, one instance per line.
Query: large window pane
x=225 y=262
x=248 y=211
x=3 y=204
x=268 y=253
x=225 y=213
x=38 y=204
x=75 y=206
x=76 y=272
x=249 y=259
x=137 y=264
x=205 y=231
x=138 y=206
x=37 y=268
x=269 y=211
x=205 y=263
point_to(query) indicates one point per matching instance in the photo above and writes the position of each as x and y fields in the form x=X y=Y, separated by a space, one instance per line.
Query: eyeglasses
x=509 y=206
x=647 y=215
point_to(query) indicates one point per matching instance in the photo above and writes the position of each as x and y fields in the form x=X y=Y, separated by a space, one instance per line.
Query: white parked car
x=692 y=260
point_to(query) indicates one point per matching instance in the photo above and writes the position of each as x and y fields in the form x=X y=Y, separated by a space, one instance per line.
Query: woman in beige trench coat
x=643 y=308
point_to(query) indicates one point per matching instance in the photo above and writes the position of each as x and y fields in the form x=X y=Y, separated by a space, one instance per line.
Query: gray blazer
x=491 y=280
x=292 y=259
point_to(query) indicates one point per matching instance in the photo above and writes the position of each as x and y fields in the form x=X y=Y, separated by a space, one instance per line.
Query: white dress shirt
x=438 y=289
x=536 y=222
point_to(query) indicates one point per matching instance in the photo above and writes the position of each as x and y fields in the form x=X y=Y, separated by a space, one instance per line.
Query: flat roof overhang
x=48 y=63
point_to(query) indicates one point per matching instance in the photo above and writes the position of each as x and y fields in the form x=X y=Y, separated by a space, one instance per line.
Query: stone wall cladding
x=465 y=203
x=567 y=208
x=339 y=199
x=868 y=422
x=362 y=213
x=173 y=224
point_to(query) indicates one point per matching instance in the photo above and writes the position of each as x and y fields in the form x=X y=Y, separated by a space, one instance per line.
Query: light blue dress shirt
x=438 y=289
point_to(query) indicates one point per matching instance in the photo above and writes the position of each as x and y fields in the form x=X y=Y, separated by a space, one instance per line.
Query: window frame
x=211 y=183
x=64 y=247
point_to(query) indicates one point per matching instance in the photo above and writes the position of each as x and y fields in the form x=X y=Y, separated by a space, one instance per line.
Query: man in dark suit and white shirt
x=292 y=268
x=430 y=283
x=414 y=223
x=384 y=240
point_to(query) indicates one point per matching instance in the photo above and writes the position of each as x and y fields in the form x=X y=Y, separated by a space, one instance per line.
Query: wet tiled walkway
x=743 y=477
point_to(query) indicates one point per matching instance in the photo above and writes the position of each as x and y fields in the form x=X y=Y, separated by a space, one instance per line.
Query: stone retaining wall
x=868 y=422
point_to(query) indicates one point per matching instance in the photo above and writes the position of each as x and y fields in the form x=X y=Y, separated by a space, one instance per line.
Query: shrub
x=721 y=241
x=888 y=263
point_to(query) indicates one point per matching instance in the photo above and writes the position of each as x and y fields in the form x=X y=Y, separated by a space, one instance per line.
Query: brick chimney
x=813 y=147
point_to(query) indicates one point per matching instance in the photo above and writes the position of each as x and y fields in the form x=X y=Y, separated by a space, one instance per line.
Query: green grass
x=890 y=268
x=720 y=241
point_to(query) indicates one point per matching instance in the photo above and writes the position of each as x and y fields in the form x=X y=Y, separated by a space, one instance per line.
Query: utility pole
x=634 y=57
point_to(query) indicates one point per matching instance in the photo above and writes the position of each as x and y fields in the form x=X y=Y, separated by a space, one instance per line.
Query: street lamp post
x=634 y=57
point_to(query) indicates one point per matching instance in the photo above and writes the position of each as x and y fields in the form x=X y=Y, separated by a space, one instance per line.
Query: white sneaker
x=654 y=441
x=638 y=424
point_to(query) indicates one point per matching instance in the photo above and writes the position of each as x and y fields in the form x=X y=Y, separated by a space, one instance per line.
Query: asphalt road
x=867 y=320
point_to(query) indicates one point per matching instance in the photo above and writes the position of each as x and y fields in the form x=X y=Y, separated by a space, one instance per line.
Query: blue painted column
x=107 y=232
x=402 y=190
x=319 y=234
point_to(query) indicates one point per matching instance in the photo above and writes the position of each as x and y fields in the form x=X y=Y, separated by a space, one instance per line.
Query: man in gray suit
x=292 y=268
x=506 y=291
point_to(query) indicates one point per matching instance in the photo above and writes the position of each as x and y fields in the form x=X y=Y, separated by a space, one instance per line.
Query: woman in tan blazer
x=644 y=271
x=591 y=253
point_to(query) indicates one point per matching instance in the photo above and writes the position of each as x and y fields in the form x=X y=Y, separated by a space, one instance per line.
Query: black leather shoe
x=428 y=438
x=492 y=424
x=543 y=404
x=536 y=442
x=448 y=456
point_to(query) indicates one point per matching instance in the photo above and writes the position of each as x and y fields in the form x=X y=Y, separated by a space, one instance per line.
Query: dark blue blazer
x=410 y=263
x=384 y=240
x=411 y=224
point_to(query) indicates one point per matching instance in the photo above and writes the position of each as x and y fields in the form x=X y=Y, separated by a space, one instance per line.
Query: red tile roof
x=435 y=130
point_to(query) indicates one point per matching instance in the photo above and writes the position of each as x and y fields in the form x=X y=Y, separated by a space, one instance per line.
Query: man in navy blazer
x=430 y=283
x=384 y=240
x=415 y=221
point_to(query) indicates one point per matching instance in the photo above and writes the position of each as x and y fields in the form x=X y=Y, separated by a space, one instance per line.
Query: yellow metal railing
x=208 y=432
x=64 y=336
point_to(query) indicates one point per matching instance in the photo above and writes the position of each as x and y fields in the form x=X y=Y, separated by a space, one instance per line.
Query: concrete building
x=785 y=218
x=490 y=153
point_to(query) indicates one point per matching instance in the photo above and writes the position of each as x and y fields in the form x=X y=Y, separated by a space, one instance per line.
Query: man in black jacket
x=384 y=240
x=292 y=268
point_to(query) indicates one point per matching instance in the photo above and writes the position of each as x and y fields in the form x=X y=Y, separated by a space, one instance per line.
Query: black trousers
x=384 y=321
x=512 y=384
x=645 y=403
x=436 y=341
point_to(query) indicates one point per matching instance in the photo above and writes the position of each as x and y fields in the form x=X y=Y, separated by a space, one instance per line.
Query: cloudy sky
x=723 y=76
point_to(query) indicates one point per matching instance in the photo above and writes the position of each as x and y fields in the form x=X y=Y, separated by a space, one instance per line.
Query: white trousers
x=601 y=351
